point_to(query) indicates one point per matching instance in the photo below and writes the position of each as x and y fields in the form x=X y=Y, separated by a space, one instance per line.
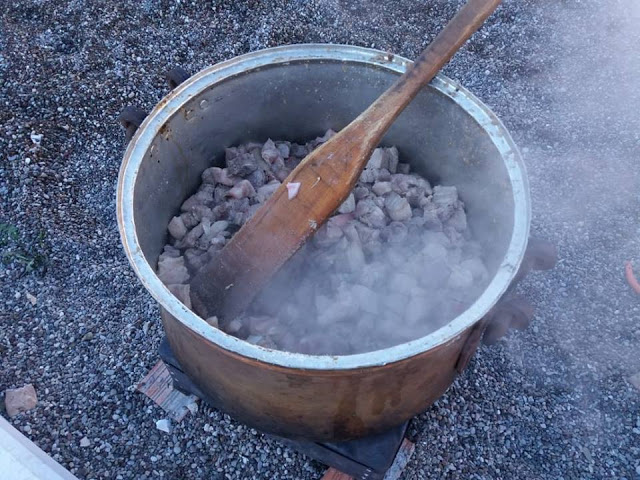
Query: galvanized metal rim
x=330 y=53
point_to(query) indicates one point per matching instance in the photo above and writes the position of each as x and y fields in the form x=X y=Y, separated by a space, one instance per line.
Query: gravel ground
x=553 y=402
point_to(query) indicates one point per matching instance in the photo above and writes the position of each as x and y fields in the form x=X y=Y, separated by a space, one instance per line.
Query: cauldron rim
x=176 y=99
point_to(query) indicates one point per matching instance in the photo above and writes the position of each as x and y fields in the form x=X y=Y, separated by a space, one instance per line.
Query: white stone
x=164 y=425
x=349 y=205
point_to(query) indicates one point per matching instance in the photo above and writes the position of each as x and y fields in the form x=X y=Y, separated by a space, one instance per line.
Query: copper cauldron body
x=296 y=93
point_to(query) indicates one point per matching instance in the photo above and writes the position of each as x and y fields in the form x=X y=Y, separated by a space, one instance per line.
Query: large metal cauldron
x=298 y=92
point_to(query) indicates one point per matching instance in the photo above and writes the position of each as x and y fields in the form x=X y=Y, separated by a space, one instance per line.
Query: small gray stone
x=200 y=212
x=445 y=196
x=210 y=174
x=392 y=159
x=458 y=220
x=251 y=212
x=234 y=326
x=243 y=189
x=191 y=238
x=237 y=217
x=368 y=175
x=377 y=160
x=195 y=259
x=240 y=162
x=349 y=205
x=87 y=337
x=370 y=214
x=266 y=191
x=380 y=188
x=430 y=216
x=219 y=175
x=257 y=178
x=366 y=233
x=299 y=151
x=164 y=425
x=383 y=175
x=271 y=154
x=189 y=219
x=220 y=194
x=395 y=233
x=190 y=203
x=219 y=227
x=320 y=140
x=397 y=207
x=635 y=380
x=328 y=234
x=284 y=148
x=255 y=339
x=172 y=270
x=379 y=201
x=416 y=197
x=225 y=178
x=177 y=228
x=169 y=251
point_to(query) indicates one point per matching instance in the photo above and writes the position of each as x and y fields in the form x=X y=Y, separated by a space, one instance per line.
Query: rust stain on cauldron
x=165 y=131
x=383 y=58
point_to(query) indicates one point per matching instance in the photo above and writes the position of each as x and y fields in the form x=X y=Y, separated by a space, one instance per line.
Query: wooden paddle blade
x=227 y=284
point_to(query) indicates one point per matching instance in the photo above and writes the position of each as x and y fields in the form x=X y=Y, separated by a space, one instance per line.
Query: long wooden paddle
x=228 y=283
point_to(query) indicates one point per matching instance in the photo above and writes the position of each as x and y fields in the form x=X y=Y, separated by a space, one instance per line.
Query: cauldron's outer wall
x=314 y=405
x=296 y=92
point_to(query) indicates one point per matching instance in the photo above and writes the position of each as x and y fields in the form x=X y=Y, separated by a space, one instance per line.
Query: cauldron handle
x=511 y=311
x=471 y=344
x=176 y=76
x=131 y=118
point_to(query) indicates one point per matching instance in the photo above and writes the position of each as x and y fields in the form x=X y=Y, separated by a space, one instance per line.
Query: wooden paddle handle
x=381 y=113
